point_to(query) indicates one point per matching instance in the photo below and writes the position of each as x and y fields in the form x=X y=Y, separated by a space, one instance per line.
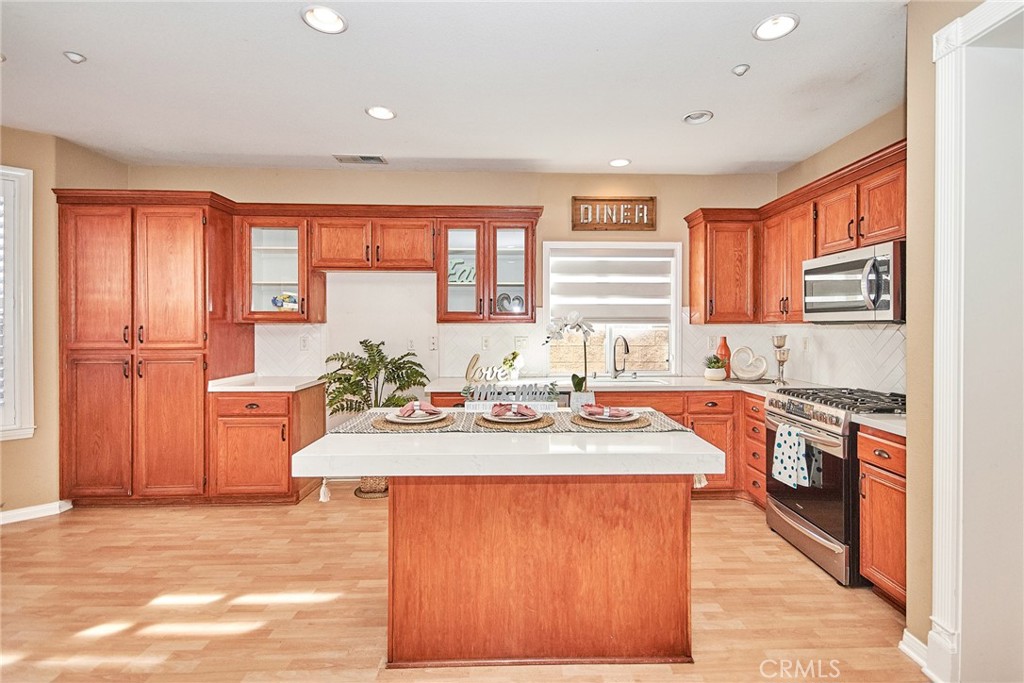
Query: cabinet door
x=732 y=270
x=403 y=244
x=883 y=206
x=718 y=430
x=169 y=426
x=96 y=276
x=837 y=216
x=461 y=272
x=96 y=426
x=698 y=274
x=774 y=266
x=799 y=248
x=883 y=531
x=342 y=243
x=170 y=287
x=251 y=455
x=510 y=272
x=273 y=275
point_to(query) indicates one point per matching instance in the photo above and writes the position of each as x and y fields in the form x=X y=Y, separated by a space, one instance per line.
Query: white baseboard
x=34 y=512
x=912 y=647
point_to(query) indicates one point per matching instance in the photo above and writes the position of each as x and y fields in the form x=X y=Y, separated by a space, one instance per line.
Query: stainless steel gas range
x=821 y=518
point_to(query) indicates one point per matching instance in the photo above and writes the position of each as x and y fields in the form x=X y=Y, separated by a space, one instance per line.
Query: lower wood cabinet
x=754 y=452
x=252 y=439
x=883 y=512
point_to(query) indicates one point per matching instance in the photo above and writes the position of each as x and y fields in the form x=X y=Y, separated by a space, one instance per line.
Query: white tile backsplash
x=459 y=341
x=279 y=349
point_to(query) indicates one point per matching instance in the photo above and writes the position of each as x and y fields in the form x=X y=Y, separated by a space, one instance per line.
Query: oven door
x=826 y=502
x=855 y=285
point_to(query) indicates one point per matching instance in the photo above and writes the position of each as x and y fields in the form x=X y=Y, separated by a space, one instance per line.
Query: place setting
x=513 y=417
x=597 y=416
x=414 y=416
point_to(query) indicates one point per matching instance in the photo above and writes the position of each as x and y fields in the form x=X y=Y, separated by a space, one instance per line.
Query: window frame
x=17 y=275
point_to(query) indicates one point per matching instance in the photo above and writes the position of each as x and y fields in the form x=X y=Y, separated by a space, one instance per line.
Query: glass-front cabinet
x=487 y=271
x=276 y=284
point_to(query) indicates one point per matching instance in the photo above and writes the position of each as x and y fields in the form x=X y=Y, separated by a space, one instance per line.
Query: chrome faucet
x=616 y=370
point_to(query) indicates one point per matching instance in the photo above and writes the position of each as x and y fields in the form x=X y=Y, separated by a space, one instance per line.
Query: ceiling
x=492 y=86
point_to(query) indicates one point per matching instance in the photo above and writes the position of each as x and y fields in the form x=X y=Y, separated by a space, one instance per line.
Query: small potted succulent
x=714 y=368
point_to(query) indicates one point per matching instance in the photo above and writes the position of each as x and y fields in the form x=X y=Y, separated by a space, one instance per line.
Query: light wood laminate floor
x=299 y=594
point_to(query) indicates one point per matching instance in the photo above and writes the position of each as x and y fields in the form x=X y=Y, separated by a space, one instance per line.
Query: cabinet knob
x=711 y=404
x=881 y=453
x=755 y=409
x=756 y=430
x=757 y=456
x=252 y=406
x=756 y=484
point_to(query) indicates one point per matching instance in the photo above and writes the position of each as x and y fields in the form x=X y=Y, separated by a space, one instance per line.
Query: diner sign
x=613 y=213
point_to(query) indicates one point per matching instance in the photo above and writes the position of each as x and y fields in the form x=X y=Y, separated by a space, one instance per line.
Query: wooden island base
x=538 y=569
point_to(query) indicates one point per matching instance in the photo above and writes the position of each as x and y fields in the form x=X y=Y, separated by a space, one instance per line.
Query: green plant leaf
x=360 y=382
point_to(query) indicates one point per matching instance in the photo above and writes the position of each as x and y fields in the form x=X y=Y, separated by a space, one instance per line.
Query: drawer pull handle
x=124 y=368
x=282 y=433
x=711 y=404
x=755 y=409
x=881 y=454
x=756 y=484
x=252 y=406
x=756 y=430
x=140 y=334
x=124 y=334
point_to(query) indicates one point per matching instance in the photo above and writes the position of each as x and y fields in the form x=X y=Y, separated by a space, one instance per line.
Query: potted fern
x=371 y=380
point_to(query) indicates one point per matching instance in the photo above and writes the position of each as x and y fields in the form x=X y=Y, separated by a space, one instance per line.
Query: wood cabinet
x=883 y=509
x=486 y=270
x=252 y=439
x=274 y=282
x=753 y=446
x=723 y=260
x=788 y=240
x=445 y=399
x=144 y=282
x=365 y=243
x=868 y=211
x=713 y=417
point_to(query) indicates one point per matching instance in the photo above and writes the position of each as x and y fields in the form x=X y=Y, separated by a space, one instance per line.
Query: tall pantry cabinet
x=145 y=300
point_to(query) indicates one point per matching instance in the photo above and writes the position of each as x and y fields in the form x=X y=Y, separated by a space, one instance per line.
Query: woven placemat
x=543 y=423
x=639 y=423
x=383 y=425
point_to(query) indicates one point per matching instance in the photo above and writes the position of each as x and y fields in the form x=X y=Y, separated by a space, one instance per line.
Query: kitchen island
x=518 y=547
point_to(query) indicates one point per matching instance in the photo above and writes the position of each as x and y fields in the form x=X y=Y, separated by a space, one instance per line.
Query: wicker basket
x=372 y=487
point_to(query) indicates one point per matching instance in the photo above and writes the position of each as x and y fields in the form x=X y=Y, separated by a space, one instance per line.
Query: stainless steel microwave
x=860 y=285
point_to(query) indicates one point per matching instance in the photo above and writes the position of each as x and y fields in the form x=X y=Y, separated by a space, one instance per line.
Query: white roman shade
x=613 y=283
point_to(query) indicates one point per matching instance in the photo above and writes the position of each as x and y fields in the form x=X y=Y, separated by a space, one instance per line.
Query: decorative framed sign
x=613 y=213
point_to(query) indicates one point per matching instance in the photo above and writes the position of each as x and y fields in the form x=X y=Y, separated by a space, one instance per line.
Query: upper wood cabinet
x=364 y=243
x=273 y=280
x=865 y=212
x=486 y=271
x=788 y=240
x=723 y=265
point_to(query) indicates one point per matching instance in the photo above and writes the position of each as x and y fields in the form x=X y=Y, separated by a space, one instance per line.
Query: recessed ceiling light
x=741 y=69
x=379 y=112
x=617 y=163
x=74 y=57
x=695 y=118
x=324 y=19
x=776 y=26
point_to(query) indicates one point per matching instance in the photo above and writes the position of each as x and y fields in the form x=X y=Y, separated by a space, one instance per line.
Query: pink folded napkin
x=410 y=408
x=516 y=409
x=598 y=410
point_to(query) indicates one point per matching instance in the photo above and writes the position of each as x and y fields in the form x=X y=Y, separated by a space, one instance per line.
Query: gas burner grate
x=853 y=400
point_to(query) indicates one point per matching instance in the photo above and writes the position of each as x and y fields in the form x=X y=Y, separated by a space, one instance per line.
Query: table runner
x=464 y=421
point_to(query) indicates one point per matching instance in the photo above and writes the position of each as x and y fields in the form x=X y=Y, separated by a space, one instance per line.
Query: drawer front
x=886 y=451
x=754 y=454
x=753 y=407
x=753 y=429
x=668 y=402
x=253 y=404
x=447 y=400
x=754 y=485
x=705 y=402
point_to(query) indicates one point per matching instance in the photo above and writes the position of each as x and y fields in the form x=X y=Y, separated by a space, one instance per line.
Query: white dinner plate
x=601 y=418
x=416 y=418
x=510 y=419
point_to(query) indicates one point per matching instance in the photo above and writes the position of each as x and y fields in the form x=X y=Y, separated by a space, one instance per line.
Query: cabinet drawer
x=753 y=407
x=754 y=484
x=447 y=400
x=883 y=450
x=754 y=454
x=754 y=430
x=670 y=403
x=704 y=402
x=252 y=404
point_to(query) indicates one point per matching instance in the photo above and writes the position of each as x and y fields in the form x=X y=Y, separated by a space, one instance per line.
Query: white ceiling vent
x=360 y=159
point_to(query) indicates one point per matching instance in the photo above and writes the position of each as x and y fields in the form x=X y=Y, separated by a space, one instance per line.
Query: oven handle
x=771 y=422
x=865 y=286
x=802 y=526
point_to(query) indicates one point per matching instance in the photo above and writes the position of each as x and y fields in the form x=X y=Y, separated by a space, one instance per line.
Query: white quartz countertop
x=507 y=454
x=254 y=382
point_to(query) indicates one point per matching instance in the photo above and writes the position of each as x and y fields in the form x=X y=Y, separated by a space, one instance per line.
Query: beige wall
x=29 y=468
x=880 y=133
x=923 y=20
